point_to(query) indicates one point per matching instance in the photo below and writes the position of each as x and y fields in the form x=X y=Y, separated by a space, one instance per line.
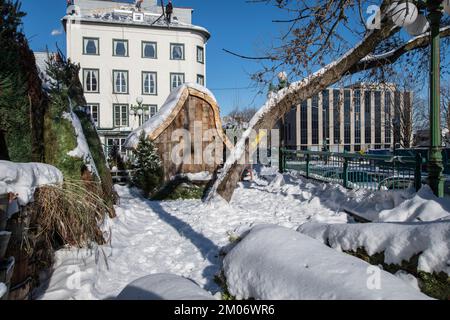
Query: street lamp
x=139 y=110
x=416 y=23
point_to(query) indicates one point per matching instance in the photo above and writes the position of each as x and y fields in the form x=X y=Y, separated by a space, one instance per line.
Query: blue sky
x=234 y=25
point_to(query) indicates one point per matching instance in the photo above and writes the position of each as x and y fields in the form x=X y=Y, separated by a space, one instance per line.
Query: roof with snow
x=170 y=109
x=110 y=12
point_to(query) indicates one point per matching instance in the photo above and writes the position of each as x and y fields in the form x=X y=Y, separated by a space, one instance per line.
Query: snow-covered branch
x=375 y=61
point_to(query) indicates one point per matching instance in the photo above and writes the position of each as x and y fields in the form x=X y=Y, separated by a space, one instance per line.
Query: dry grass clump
x=70 y=214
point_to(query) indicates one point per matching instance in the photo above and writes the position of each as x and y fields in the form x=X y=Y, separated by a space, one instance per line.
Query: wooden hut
x=187 y=128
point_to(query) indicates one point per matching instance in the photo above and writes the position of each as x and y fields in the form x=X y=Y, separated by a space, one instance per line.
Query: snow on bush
x=398 y=241
x=274 y=262
x=422 y=206
x=164 y=287
x=82 y=150
x=24 y=178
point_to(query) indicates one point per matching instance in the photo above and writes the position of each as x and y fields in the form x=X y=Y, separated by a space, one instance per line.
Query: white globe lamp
x=421 y=25
x=403 y=13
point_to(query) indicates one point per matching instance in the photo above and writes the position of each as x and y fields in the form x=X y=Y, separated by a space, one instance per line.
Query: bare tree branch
x=247 y=57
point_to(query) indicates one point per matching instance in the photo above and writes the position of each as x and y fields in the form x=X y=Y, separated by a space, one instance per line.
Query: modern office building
x=131 y=56
x=355 y=118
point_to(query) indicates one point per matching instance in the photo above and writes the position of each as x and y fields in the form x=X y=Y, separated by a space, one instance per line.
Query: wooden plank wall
x=196 y=115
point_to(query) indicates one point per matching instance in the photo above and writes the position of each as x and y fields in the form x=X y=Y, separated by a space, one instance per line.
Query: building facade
x=130 y=57
x=356 y=118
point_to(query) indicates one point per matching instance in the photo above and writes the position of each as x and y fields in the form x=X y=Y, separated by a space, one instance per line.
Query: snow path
x=180 y=237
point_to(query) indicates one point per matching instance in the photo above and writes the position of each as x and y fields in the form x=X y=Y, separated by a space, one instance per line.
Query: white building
x=129 y=55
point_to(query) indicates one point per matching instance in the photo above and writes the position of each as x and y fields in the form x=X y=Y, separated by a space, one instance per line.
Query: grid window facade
x=387 y=118
x=304 y=123
x=377 y=119
x=315 y=119
x=357 y=116
x=347 y=103
x=367 y=116
x=337 y=116
x=325 y=114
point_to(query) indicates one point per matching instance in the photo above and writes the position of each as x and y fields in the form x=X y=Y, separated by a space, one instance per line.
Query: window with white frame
x=120 y=48
x=120 y=115
x=149 y=84
x=152 y=110
x=90 y=46
x=120 y=79
x=176 y=80
x=93 y=109
x=200 y=80
x=91 y=80
x=200 y=55
x=149 y=50
x=176 y=51
x=116 y=141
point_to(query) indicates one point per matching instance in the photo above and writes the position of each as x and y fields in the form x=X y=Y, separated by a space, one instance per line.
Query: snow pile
x=408 y=278
x=398 y=241
x=3 y=289
x=82 y=150
x=376 y=206
x=198 y=176
x=273 y=263
x=423 y=206
x=23 y=178
x=163 y=113
x=163 y=287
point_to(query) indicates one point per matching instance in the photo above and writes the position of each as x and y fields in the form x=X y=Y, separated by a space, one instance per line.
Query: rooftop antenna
x=163 y=13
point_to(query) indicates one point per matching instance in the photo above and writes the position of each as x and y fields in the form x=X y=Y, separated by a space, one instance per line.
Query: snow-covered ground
x=187 y=237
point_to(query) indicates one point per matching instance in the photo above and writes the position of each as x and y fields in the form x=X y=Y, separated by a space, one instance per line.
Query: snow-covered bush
x=274 y=262
x=421 y=249
x=148 y=172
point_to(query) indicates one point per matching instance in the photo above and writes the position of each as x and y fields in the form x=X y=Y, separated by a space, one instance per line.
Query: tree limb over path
x=355 y=60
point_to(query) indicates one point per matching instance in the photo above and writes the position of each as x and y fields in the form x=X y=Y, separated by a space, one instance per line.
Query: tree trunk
x=281 y=103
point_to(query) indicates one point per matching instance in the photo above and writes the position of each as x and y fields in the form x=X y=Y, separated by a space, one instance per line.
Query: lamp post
x=408 y=15
x=139 y=110
x=435 y=165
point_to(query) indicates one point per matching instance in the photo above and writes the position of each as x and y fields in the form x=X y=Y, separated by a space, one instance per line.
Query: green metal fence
x=355 y=170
